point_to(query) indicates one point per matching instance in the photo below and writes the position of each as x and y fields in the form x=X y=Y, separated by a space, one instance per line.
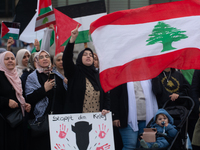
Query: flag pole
x=85 y=45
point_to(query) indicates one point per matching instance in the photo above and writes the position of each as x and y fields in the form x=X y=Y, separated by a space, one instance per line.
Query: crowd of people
x=39 y=86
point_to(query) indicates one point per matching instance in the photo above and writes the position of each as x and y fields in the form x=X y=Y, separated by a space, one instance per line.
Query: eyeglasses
x=45 y=56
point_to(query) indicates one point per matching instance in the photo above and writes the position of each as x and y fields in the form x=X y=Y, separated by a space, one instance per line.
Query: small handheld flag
x=45 y=20
x=10 y=29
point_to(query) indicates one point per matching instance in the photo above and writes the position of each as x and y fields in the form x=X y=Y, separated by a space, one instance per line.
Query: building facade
x=7 y=7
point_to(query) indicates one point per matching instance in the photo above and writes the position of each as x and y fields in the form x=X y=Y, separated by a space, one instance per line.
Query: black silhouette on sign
x=82 y=130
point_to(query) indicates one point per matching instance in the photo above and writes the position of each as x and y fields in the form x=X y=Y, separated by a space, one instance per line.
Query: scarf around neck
x=39 y=68
x=14 y=80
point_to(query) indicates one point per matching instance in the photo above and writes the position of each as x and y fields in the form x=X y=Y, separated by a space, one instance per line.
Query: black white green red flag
x=84 y=14
x=138 y=44
x=10 y=29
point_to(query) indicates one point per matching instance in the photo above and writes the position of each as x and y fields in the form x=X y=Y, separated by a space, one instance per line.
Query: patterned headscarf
x=39 y=68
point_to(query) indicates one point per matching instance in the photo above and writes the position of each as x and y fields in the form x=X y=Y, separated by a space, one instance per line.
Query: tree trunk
x=167 y=47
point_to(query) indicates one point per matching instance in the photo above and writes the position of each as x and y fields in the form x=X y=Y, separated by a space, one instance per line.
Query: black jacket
x=7 y=92
x=40 y=93
x=119 y=104
x=77 y=84
x=195 y=93
x=8 y=134
x=162 y=89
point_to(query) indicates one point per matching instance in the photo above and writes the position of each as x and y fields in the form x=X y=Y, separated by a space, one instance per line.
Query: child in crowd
x=163 y=122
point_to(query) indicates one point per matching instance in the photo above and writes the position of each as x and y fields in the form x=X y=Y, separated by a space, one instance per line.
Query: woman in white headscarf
x=11 y=98
x=22 y=58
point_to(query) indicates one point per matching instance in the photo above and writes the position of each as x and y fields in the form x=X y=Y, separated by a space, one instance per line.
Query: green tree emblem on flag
x=45 y=20
x=165 y=34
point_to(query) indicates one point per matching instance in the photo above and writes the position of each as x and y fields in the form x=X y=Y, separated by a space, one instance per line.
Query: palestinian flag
x=138 y=44
x=85 y=14
x=64 y=23
x=10 y=29
x=44 y=6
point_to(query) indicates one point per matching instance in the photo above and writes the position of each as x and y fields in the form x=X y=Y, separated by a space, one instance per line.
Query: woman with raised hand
x=22 y=58
x=84 y=89
x=45 y=95
x=10 y=99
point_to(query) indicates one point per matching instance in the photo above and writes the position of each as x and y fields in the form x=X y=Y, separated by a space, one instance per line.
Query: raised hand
x=103 y=132
x=74 y=34
x=10 y=42
x=104 y=147
x=51 y=26
x=37 y=45
x=63 y=131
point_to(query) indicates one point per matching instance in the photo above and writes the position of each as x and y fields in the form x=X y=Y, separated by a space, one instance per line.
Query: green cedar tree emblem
x=165 y=34
x=45 y=20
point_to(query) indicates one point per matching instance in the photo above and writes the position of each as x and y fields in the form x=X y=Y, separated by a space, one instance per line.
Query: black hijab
x=89 y=71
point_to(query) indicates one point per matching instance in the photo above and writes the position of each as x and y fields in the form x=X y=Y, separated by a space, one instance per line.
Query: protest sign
x=84 y=131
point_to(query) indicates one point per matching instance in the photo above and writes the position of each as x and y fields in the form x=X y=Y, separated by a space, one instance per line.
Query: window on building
x=113 y=5
x=161 y=1
x=7 y=8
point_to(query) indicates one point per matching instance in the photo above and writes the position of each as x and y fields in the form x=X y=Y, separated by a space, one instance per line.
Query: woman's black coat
x=77 y=84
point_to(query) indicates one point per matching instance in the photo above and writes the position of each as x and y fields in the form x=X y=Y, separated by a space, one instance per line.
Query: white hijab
x=19 y=57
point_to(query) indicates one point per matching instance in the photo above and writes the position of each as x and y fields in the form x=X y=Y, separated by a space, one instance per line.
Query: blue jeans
x=130 y=137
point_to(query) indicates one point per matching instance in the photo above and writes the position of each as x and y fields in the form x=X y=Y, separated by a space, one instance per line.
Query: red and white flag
x=138 y=44
x=45 y=20
x=59 y=48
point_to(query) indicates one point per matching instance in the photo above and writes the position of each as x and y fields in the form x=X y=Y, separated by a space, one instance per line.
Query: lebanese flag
x=10 y=29
x=45 y=20
x=138 y=44
x=27 y=16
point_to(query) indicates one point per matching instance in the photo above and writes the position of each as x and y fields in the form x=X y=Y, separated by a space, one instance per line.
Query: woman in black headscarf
x=84 y=89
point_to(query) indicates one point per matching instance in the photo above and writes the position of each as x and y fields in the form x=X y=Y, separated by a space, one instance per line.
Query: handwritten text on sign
x=85 y=131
